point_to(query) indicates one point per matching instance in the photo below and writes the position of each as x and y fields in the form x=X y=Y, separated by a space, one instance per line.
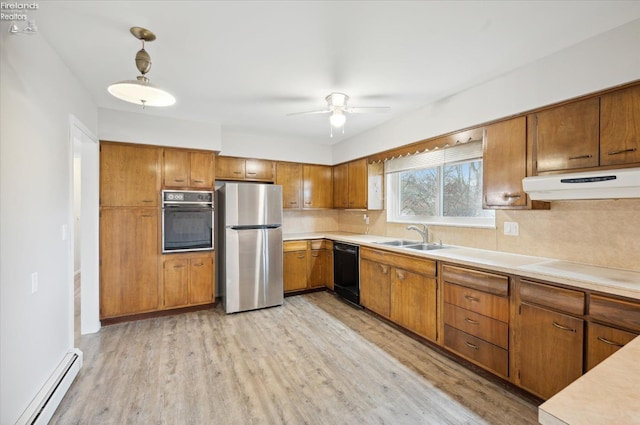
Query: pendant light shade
x=140 y=91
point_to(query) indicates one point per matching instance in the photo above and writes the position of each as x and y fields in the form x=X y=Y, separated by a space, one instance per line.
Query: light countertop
x=607 y=394
x=612 y=281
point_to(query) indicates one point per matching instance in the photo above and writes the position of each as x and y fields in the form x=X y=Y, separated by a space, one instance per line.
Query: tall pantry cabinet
x=129 y=223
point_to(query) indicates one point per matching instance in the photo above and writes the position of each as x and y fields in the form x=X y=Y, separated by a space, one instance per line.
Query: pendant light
x=140 y=91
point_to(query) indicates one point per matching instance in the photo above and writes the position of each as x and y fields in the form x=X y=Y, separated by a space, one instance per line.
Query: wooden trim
x=154 y=314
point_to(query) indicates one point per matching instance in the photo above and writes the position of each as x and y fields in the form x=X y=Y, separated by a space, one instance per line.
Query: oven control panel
x=187 y=197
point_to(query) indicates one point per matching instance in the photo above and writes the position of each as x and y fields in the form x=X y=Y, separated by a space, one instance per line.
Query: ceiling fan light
x=141 y=92
x=337 y=99
x=337 y=119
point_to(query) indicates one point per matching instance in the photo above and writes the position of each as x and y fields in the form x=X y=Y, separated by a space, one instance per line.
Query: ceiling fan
x=337 y=107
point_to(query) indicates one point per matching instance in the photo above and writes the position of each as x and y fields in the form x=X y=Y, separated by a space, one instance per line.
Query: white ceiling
x=246 y=64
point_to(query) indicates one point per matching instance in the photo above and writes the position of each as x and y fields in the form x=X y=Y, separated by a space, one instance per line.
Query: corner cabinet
x=308 y=265
x=305 y=186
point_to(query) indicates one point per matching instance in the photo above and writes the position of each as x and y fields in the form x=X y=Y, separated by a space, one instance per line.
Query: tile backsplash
x=603 y=233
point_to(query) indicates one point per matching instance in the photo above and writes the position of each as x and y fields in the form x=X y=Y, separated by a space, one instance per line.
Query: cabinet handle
x=384 y=269
x=400 y=275
x=580 y=157
x=178 y=180
x=308 y=203
x=146 y=201
x=147 y=215
x=179 y=266
x=470 y=298
x=251 y=174
x=198 y=181
x=198 y=265
x=606 y=341
x=302 y=255
x=512 y=195
x=621 y=151
x=237 y=172
x=293 y=203
x=564 y=328
x=470 y=345
x=473 y=322
x=315 y=254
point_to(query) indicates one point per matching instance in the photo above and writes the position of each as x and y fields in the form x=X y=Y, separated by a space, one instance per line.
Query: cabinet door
x=504 y=163
x=295 y=270
x=128 y=264
x=375 y=286
x=176 y=282
x=176 y=168
x=289 y=176
x=603 y=341
x=201 y=170
x=358 y=184
x=620 y=127
x=229 y=168
x=257 y=169
x=318 y=186
x=550 y=350
x=317 y=268
x=201 y=280
x=413 y=302
x=568 y=136
x=341 y=186
x=129 y=175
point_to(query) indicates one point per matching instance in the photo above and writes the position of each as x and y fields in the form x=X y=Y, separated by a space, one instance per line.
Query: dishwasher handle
x=351 y=249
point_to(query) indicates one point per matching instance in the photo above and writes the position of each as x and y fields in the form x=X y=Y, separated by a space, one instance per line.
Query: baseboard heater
x=45 y=403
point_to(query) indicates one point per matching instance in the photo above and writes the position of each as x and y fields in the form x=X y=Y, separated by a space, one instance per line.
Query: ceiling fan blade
x=366 y=109
x=323 y=111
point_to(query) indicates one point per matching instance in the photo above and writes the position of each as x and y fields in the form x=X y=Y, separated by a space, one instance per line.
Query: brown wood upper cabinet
x=305 y=186
x=567 y=136
x=620 y=127
x=129 y=175
x=232 y=168
x=505 y=164
x=350 y=185
x=188 y=169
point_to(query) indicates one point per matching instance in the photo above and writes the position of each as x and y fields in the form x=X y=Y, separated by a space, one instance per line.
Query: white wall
x=37 y=94
x=604 y=61
x=150 y=129
x=243 y=143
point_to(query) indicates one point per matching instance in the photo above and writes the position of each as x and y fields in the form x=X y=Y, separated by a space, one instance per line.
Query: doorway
x=84 y=257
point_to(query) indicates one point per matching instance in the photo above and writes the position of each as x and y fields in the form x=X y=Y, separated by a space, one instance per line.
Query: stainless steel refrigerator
x=249 y=245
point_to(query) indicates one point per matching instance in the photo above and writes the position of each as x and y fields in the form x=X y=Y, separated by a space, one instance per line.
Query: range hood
x=608 y=184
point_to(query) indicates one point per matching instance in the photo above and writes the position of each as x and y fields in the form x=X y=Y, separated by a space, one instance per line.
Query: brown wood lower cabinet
x=550 y=350
x=308 y=264
x=188 y=279
x=603 y=341
x=401 y=288
x=129 y=255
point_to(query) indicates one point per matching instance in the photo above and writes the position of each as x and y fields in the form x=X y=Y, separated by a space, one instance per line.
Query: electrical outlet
x=366 y=219
x=511 y=228
x=34 y=282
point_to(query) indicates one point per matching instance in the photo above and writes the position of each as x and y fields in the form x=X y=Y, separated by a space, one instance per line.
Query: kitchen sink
x=426 y=246
x=398 y=243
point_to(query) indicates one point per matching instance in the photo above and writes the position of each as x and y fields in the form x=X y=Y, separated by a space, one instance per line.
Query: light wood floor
x=314 y=360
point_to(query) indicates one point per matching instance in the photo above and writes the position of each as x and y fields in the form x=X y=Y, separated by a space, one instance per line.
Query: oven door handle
x=180 y=208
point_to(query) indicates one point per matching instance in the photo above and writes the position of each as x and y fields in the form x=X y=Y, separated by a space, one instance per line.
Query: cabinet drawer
x=486 y=328
x=616 y=312
x=561 y=299
x=290 y=246
x=481 y=352
x=603 y=341
x=321 y=244
x=415 y=264
x=480 y=302
x=483 y=281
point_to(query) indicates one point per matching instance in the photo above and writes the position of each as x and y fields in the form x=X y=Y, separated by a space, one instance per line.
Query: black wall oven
x=346 y=271
x=187 y=220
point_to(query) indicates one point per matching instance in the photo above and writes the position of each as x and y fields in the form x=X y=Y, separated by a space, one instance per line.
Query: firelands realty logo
x=16 y=11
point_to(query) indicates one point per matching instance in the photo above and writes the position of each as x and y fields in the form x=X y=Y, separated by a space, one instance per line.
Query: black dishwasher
x=346 y=271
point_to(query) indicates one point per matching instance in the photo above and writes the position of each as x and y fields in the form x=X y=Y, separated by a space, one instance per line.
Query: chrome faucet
x=424 y=232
